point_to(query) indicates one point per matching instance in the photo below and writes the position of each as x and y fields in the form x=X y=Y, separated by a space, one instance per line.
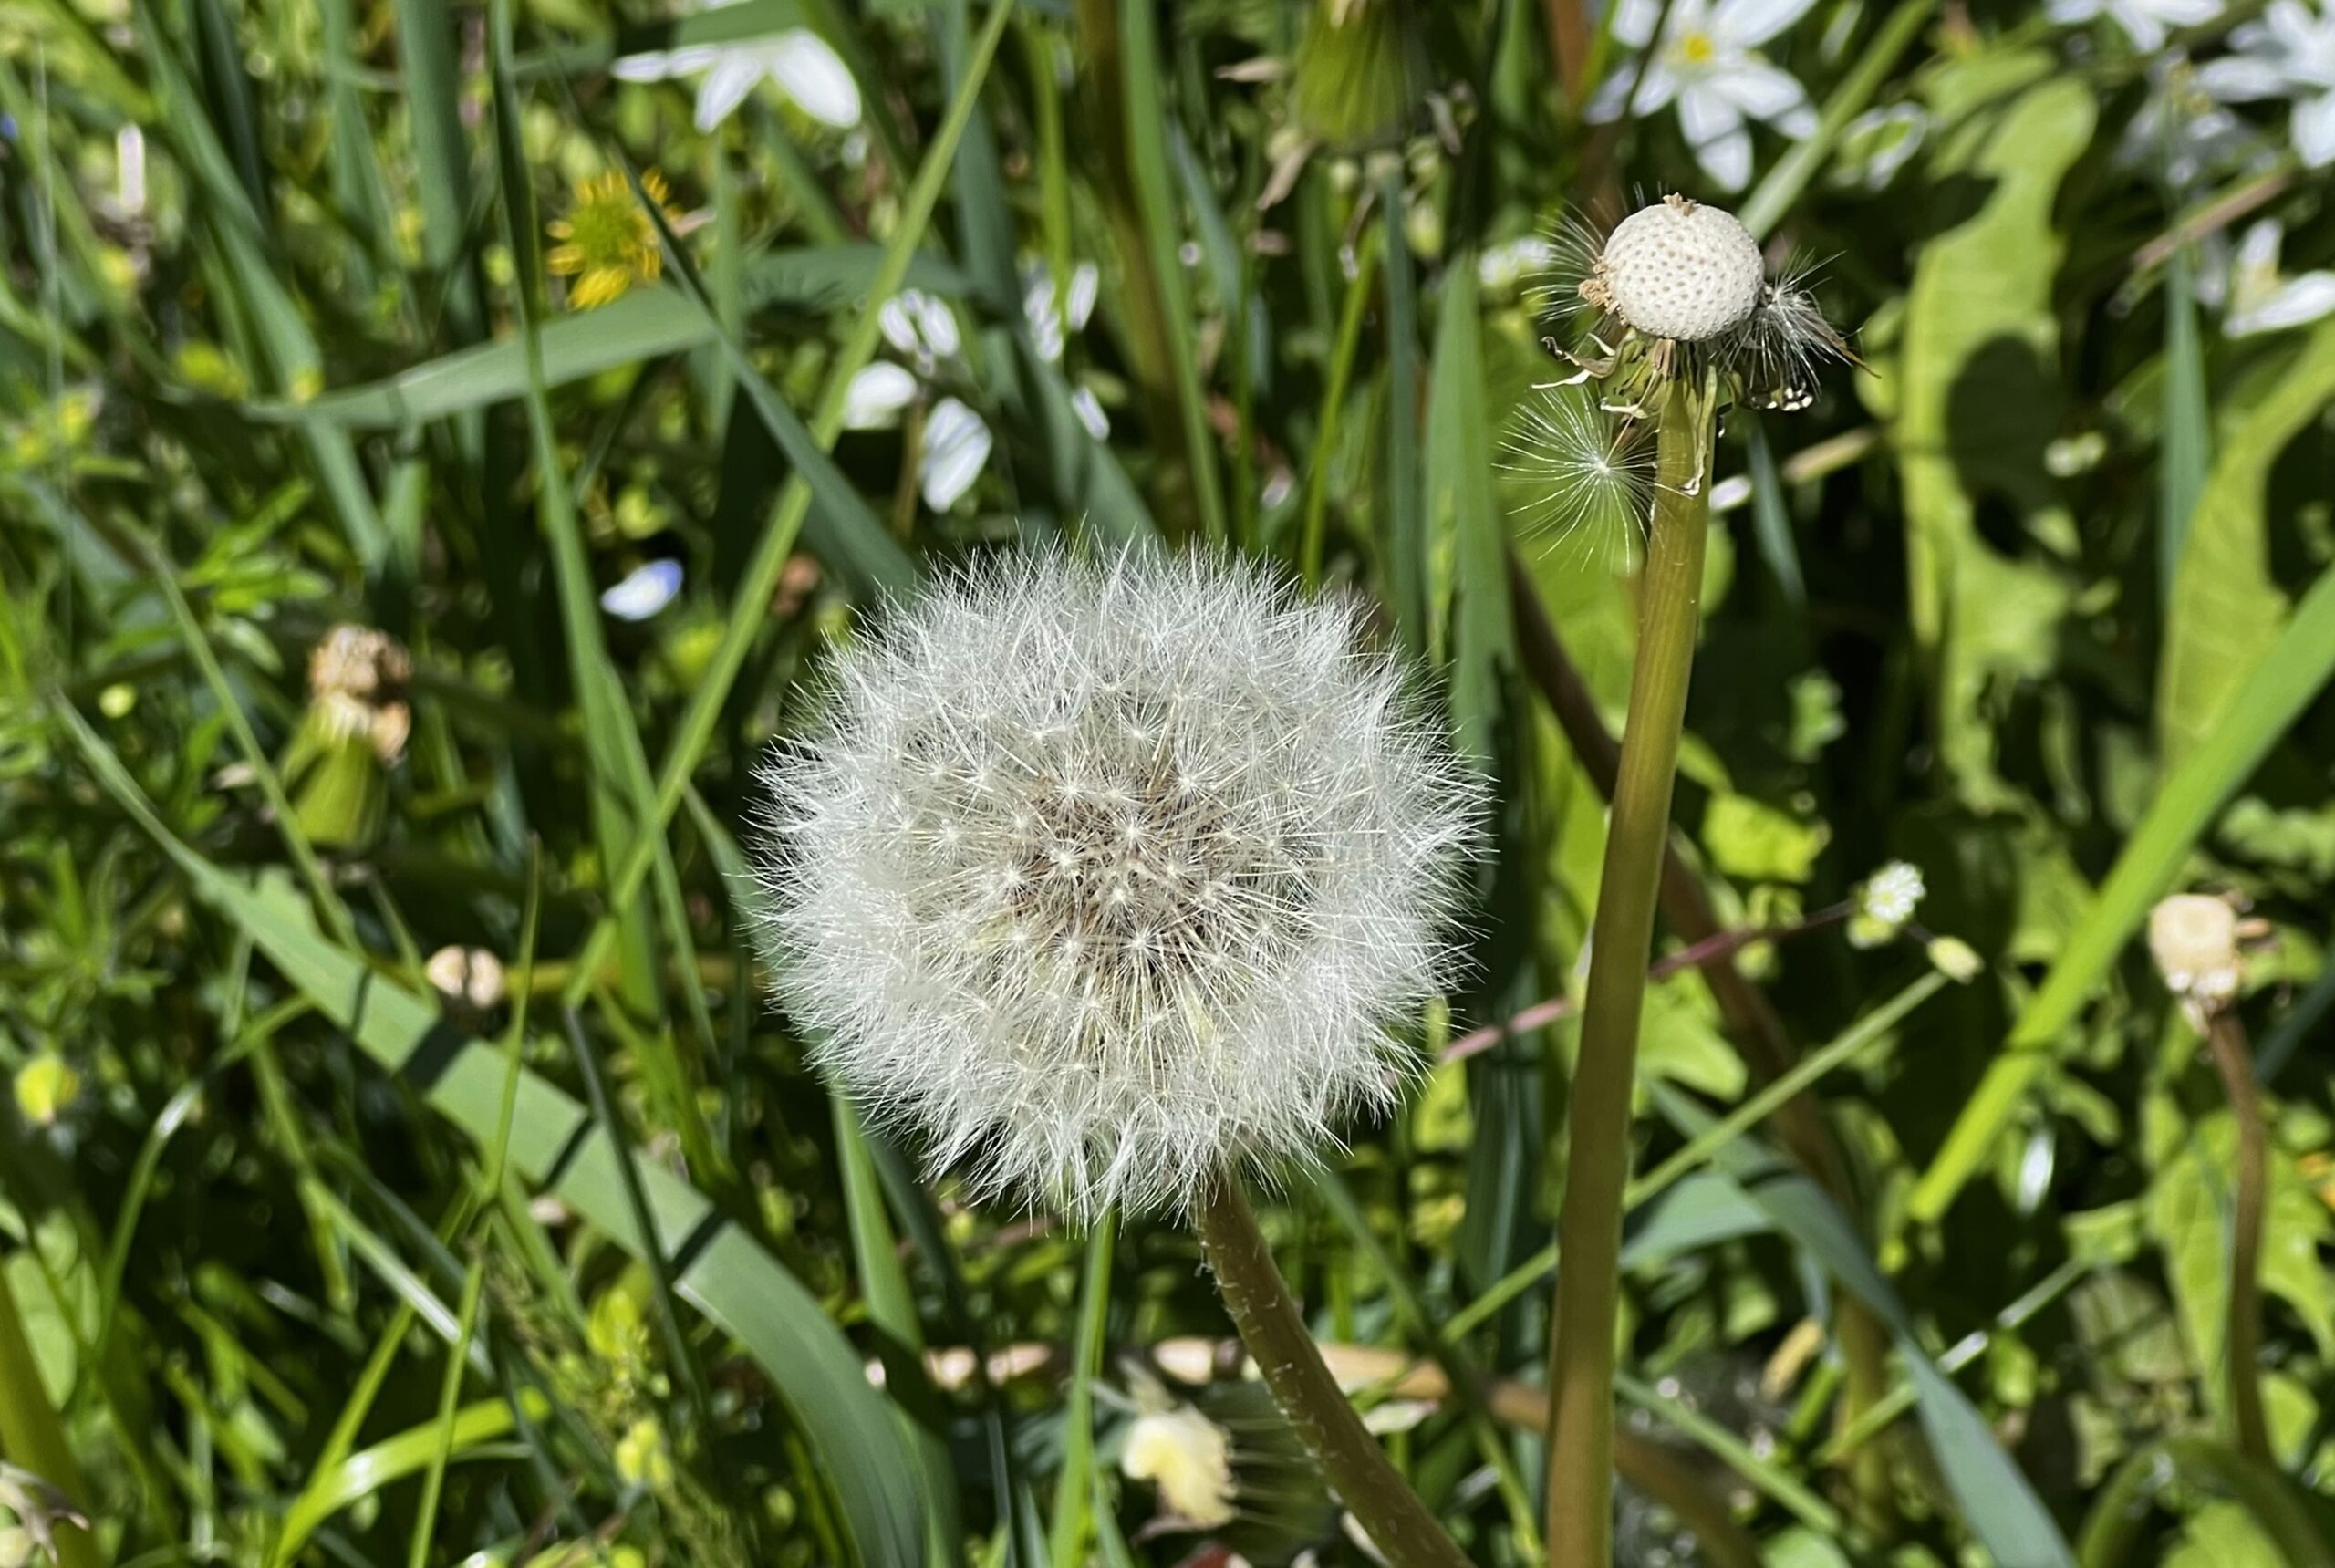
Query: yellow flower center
x=1697 y=49
x=607 y=241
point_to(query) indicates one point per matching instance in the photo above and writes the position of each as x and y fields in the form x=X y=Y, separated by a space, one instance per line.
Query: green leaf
x=1976 y=392
x=2281 y=686
x=2227 y=610
x=729 y=1277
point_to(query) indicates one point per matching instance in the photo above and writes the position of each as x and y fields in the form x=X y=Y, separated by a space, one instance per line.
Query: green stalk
x=1597 y=1174
x=1406 y=1534
x=2226 y=1040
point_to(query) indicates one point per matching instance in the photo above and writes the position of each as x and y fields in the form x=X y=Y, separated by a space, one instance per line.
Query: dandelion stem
x=1589 y=1226
x=1274 y=1330
x=2226 y=1040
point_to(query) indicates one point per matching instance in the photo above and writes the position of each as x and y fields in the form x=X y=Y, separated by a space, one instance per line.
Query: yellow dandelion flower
x=606 y=242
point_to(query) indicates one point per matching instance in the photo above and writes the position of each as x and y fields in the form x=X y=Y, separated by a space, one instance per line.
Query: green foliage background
x=303 y=1261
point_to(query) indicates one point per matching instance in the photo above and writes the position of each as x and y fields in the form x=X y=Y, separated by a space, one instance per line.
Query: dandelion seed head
x=1586 y=477
x=1681 y=270
x=1108 y=877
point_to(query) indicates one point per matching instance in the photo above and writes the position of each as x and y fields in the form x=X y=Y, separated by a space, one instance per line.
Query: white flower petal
x=653 y=66
x=2145 y=31
x=1760 y=90
x=897 y=326
x=935 y=322
x=2240 y=79
x=956 y=444
x=725 y=87
x=2302 y=299
x=1606 y=102
x=1706 y=114
x=1085 y=284
x=1634 y=21
x=644 y=590
x=1728 y=160
x=1660 y=86
x=1089 y=410
x=810 y=73
x=2314 y=129
x=877 y=396
x=1748 y=23
x=2066 y=11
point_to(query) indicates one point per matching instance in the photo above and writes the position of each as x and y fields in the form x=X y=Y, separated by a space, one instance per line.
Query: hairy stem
x=1589 y=1227
x=2226 y=1040
x=1258 y=1299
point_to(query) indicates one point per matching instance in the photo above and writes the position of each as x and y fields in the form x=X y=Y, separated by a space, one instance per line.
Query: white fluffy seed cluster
x=1681 y=270
x=1109 y=877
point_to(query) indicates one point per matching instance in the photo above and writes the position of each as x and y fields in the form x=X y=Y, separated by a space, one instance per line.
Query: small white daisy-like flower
x=1886 y=901
x=2289 y=53
x=2193 y=937
x=2264 y=299
x=1112 y=879
x=803 y=66
x=1708 y=62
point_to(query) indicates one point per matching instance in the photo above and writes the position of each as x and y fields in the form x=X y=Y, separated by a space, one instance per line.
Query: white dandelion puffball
x=1110 y=877
x=1680 y=269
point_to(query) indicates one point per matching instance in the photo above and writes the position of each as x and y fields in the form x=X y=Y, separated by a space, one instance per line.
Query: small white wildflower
x=2194 y=939
x=877 y=396
x=2262 y=299
x=643 y=591
x=1089 y=410
x=1112 y=877
x=467 y=979
x=800 y=63
x=1503 y=268
x=1048 y=325
x=1187 y=1457
x=2183 y=131
x=956 y=445
x=920 y=326
x=2145 y=22
x=2289 y=52
x=1708 y=61
x=1884 y=903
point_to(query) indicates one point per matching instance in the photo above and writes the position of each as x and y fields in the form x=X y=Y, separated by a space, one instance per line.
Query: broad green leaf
x=2281 y=686
x=1975 y=388
x=2227 y=610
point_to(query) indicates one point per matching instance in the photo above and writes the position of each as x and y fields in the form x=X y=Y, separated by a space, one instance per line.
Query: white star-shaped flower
x=2145 y=22
x=2260 y=299
x=1708 y=61
x=2289 y=53
x=802 y=64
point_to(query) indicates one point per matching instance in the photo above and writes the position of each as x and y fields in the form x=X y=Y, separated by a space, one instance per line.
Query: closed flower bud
x=2194 y=939
x=1111 y=878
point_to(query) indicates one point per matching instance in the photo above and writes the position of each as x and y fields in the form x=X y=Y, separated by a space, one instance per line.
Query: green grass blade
x=1404 y=536
x=751 y=605
x=728 y=1276
x=1804 y=159
x=1073 y=1491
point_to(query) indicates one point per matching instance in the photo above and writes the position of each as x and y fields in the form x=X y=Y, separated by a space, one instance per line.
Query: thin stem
x=1589 y=1226
x=1270 y=1325
x=2226 y=1040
